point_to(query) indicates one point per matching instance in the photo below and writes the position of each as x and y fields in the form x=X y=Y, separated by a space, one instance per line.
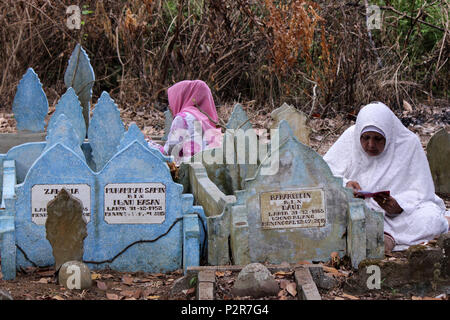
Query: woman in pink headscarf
x=194 y=122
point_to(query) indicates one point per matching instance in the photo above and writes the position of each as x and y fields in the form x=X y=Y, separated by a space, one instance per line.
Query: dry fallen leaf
x=112 y=296
x=127 y=280
x=283 y=274
x=101 y=285
x=189 y=291
x=284 y=283
x=57 y=298
x=127 y=293
x=292 y=289
x=407 y=106
x=349 y=296
x=44 y=280
x=153 y=297
x=96 y=276
x=137 y=294
x=220 y=274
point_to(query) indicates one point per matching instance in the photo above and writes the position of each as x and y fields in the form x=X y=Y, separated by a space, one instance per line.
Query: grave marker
x=296 y=119
x=300 y=213
x=105 y=131
x=30 y=105
x=65 y=228
x=80 y=76
x=438 y=153
x=70 y=106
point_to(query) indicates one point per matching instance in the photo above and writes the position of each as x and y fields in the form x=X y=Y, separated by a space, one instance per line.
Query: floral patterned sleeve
x=185 y=134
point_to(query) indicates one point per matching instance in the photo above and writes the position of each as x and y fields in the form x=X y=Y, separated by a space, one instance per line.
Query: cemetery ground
x=41 y=283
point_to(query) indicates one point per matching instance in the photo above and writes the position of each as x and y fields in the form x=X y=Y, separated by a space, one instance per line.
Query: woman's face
x=372 y=143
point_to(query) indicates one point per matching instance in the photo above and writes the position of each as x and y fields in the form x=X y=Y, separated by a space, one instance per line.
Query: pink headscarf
x=190 y=96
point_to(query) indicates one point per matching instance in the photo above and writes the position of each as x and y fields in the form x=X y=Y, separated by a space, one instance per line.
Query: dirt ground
x=41 y=284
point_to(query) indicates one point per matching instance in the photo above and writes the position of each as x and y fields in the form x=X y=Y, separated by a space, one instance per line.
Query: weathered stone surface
x=75 y=275
x=255 y=280
x=10 y=140
x=4 y=295
x=180 y=284
x=444 y=244
x=292 y=209
x=438 y=153
x=321 y=280
x=168 y=118
x=207 y=276
x=301 y=171
x=205 y=291
x=424 y=261
x=306 y=285
x=65 y=228
x=297 y=121
x=237 y=140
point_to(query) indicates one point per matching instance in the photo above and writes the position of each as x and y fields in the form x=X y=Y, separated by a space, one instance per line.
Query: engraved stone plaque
x=301 y=208
x=41 y=194
x=136 y=203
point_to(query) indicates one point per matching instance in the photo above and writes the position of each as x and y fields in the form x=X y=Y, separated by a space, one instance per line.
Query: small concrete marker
x=206 y=285
x=306 y=287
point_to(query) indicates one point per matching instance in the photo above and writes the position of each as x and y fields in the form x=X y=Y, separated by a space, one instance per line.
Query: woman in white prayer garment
x=378 y=154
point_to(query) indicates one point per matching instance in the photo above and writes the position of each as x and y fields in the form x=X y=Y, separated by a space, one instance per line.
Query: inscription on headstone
x=137 y=203
x=301 y=208
x=41 y=194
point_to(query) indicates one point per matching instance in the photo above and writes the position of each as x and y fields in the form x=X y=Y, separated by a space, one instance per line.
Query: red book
x=368 y=194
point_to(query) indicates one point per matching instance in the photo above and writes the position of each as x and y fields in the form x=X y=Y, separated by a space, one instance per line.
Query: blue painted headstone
x=105 y=131
x=30 y=105
x=24 y=156
x=80 y=76
x=138 y=200
x=134 y=134
x=56 y=168
x=63 y=132
x=70 y=106
x=7 y=228
x=137 y=217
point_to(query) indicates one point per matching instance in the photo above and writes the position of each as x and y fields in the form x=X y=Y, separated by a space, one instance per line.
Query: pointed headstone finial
x=62 y=132
x=105 y=131
x=30 y=105
x=80 y=76
x=70 y=106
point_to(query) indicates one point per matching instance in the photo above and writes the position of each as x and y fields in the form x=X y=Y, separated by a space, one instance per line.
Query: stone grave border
x=306 y=286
